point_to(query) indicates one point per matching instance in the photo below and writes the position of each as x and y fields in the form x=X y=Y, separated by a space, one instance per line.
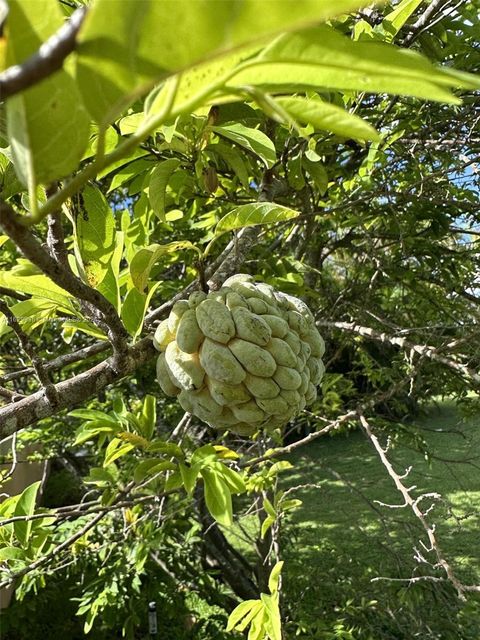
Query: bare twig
x=413 y=503
x=422 y=349
x=30 y=350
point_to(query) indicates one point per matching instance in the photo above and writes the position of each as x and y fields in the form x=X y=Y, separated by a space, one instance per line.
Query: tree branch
x=31 y=249
x=422 y=349
x=48 y=59
x=74 y=391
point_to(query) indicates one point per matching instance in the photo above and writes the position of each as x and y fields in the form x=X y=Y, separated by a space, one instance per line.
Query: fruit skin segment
x=243 y=358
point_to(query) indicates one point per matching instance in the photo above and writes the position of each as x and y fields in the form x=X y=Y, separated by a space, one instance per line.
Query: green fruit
x=164 y=379
x=176 y=313
x=243 y=358
x=254 y=359
x=250 y=327
x=282 y=352
x=220 y=363
x=215 y=320
x=162 y=336
x=189 y=335
x=227 y=394
x=184 y=368
x=287 y=378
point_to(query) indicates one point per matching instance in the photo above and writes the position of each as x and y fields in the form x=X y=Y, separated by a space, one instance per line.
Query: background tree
x=158 y=149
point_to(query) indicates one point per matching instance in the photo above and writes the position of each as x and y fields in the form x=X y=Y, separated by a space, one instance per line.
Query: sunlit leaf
x=248 y=215
x=48 y=126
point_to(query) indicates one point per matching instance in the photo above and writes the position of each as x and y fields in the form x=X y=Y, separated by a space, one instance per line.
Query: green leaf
x=268 y=507
x=328 y=117
x=93 y=429
x=318 y=173
x=151 y=467
x=232 y=478
x=48 y=126
x=30 y=313
x=144 y=260
x=233 y=158
x=149 y=416
x=275 y=577
x=168 y=448
x=100 y=477
x=116 y=449
x=250 y=139
x=257 y=624
x=124 y=51
x=134 y=308
x=40 y=286
x=128 y=172
x=273 y=623
x=92 y=414
x=248 y=215
x=322 y=58
x=133 y=438
x=158 y=184
x=240 y=612
x=394 y=21
x=189 y=477
x=266 y=524
x=255 y=611
x=95 y=233
x=109 y=286
x=11 y=553
x=25 y=507
x=286 y=505
x=217 y=497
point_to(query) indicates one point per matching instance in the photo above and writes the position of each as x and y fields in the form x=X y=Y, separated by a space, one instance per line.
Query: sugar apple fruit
x=242 y=358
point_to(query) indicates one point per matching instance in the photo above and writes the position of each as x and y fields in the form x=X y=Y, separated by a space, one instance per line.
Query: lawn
x=340 y=539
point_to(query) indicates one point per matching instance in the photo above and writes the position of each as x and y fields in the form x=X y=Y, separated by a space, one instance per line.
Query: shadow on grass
x=340 y=539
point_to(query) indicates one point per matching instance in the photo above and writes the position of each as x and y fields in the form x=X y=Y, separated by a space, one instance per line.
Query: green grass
x=340 y=538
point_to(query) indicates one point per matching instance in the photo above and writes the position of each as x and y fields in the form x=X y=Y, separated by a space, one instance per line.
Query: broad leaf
x=144 y=260
x=158 y=184
x=275 y=577
x=148 y=417
x=40 y=286
x=240 y=612
x=25 y=507
x=151 y=467
x=116 y=449
x=217 y=497
x=322 y=58
x=95 y=231
x=328 y=117
x=273 y=624
x=251 y=139
x=133 y=438
x=189 y=477
x=122 y=52
x=248 y=215
x=48 y=126
x=394 y=21
x=133 y=310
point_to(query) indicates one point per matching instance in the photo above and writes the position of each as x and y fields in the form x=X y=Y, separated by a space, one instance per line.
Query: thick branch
x=74 y=391
x=48 y=59
x=32 y=250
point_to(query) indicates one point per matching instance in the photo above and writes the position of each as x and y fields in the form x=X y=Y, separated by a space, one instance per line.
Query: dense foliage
x=154 y=149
